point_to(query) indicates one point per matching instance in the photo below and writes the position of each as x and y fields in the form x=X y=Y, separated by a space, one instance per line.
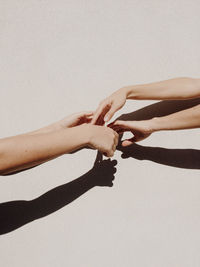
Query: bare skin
x=186 y=119
x=72 y=133
x=178 y=88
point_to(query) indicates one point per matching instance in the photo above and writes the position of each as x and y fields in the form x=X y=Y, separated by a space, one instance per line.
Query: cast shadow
x=15 y=214
x=159 y=109
x=180 y=158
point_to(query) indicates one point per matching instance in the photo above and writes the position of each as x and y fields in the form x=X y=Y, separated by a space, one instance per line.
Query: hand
x=103 y=172
x=102 y=138
x=109 y=106
x=73 y=120
x=140 y=130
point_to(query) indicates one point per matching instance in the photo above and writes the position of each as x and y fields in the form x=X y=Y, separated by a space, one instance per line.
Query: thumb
x=128 y=142
x=137 y=137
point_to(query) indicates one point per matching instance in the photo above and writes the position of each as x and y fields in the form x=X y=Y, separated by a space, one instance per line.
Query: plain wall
x=59 y=57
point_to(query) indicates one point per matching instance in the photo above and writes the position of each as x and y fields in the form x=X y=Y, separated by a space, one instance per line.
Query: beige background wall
x=58 y=57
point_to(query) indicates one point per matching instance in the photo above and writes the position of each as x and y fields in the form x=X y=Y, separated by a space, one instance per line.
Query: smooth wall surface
x=59 y=57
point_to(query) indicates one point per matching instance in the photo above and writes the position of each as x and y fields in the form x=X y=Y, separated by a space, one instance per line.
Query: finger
x=98 y=112
x=127 y=142
x=110 y=113
x=83 y=114
x=100 y=120
x=131 y=141
x=89 y=116
x=88 y=113
x=119 y=129
x=120 y=123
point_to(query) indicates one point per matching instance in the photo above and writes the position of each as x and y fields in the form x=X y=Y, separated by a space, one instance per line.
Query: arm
x=28 y=150
x=178 y=88
x=186 y=119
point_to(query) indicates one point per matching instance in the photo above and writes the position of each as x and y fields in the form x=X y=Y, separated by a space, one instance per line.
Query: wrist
x=126 y=90
x=156 y=124
x=86 y=133
x=130 y=91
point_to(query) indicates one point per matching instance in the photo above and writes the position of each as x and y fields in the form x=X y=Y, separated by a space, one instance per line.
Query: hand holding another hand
x=101 y=138
x=139 y=129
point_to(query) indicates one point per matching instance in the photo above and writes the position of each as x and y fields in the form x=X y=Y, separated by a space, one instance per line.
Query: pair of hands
x=105 y=139
x=107 y=108
x=98 y=137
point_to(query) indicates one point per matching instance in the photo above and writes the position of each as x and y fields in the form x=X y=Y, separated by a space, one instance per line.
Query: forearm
x=27 y=150
x=177 y=88
x=186 y=119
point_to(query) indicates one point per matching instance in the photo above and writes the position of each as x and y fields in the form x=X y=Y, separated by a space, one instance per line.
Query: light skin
x=73 y=132
x=186 y=119
x=178 y=88
x=79 y=130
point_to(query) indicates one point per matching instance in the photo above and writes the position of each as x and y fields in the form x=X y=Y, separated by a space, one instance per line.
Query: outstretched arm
x=177 y=88
x=28 y=150
x=186 y=119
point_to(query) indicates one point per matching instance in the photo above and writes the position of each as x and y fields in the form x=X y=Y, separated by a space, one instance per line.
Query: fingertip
x=89 y=114
x=108 y=116
x=126 y=143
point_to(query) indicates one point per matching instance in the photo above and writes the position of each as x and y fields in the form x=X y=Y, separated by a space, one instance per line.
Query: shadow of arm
x=180 y=158
x=15 y=214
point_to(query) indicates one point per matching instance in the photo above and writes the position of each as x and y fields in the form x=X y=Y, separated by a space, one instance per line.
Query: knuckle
x=111 y=154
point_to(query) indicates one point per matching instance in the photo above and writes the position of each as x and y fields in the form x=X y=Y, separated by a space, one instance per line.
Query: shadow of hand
x=102 y=173
x=134 y=151
x=180 y=158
